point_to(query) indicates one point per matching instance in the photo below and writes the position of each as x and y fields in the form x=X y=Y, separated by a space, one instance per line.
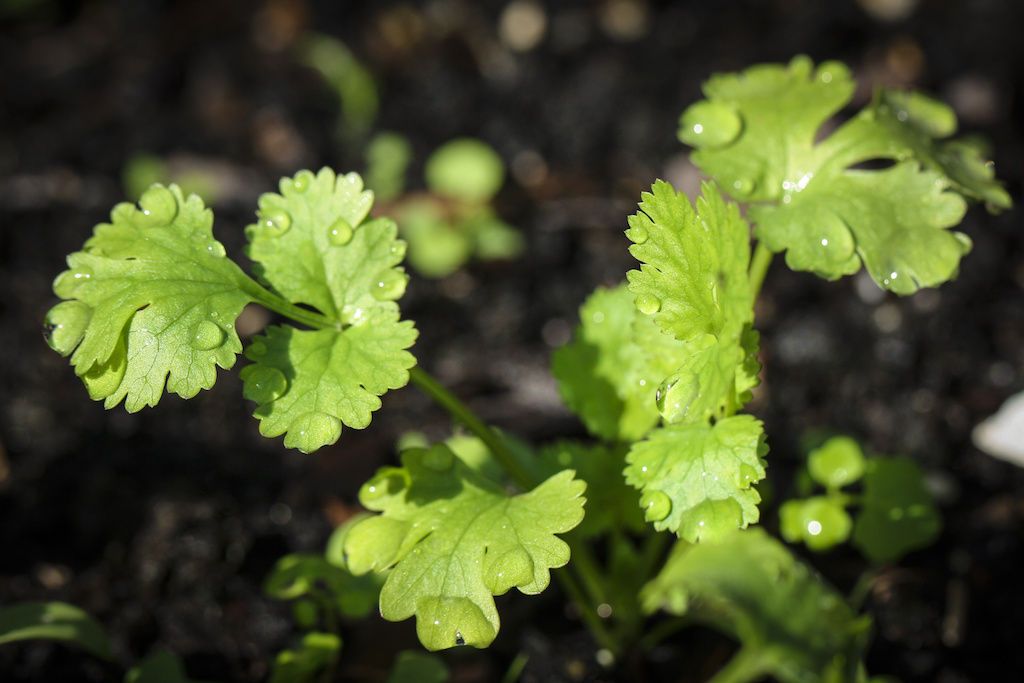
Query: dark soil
x=163 y=524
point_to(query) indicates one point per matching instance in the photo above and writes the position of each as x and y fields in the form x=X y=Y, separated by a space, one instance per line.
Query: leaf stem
x=458 y=410
x=271 y=301
x=746 y=665
x=759 y=267
x=587 y=612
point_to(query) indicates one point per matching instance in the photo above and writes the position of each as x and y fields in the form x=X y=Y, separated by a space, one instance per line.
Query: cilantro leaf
x=694 y=274
x=150 y=300
x=309 y=382
x=455 y=539
x=792 y=625
x=312 y=246
x=898 y=514
x=610 y=373
x=696 y=479
x=756 y=136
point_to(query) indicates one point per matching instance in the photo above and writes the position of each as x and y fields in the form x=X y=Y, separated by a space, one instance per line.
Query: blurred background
x=162 y=524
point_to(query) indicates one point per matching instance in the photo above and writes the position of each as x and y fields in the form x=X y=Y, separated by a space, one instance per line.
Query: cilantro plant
x=659 y=372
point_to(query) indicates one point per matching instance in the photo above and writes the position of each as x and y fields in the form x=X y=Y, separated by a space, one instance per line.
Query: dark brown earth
x=163 y=524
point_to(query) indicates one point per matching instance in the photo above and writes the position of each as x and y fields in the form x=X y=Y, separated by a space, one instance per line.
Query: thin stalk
x=275 y=303
x=587 y=613
x=587 y=569
x=457 y=409
x=759 y=267
x=745 y=665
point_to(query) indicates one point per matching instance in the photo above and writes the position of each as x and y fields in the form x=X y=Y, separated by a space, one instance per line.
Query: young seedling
x=659 y=371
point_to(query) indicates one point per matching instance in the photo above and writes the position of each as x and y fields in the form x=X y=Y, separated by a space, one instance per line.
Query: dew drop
x=459 y=640
x=638 y=234
x=655 y=504
x=743 y=186
x=438 y=458
x=648 y=304
x=158 y=205
x=389 y=285
x=276 y=223
x=709 y=124
x=340 y=233
x=264 y=384
x=398 y=251
x=206 y=335
x=747 y=476
x=814 y=527
x=216 y=249
x=65 y=325
x=302 y=181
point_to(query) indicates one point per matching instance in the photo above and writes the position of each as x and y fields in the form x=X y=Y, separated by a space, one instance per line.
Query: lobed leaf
x=693 y=277
x=308 y=383
x=756 y=135
x=150 y=301
x=455 y=539
x=789 y=621
x=696 y=479
x=898 y=514
x=312 y=246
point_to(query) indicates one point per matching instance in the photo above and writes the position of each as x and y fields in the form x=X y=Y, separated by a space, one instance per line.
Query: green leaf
x=836 y=463
x=312 y=246
x=387 y=157
x=151 y=300
x=898 y=514
x=610 y=373
x=756 y=136
x=306 y=662
x=466 y=170
x=694 y=274
x=791 y=624
x=54 y=621
x=417 y=667
x=351 y=82
x=437 y=247
x=820 y=522
x=697 y=479
x=456 y=539
x=298 y=576
x=611 y=503
x=309 y=382
x=161 y=666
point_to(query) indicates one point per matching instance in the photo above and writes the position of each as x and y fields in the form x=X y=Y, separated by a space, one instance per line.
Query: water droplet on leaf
x=648 y=304
x=158 y=205
x=638 y=234
x=206 y=335
x=216 y=249
x=655 y=504
x=709 y=124
x=264 y=384
x=340 y=233
x=389 y=285
x=747 y=476
x=459 y=640
x=276 y=223
x=66 y=323
x=302 y=181
x=743 y=186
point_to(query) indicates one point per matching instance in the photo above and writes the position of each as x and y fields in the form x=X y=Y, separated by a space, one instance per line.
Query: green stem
x=502 y=453
x=745 y=665
x=269 y=300
x=759 y=267
x=587 y=613
x=862 y=588
x=587 y=569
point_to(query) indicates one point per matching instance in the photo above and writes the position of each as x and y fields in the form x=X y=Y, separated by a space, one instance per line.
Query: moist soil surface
x=163 y=524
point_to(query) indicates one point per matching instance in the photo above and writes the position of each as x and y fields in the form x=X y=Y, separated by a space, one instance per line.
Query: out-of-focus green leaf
x=54 y=621
x=836 y=463
x=417 y=667
x=304 y=664
x=465 y=169
x=897 y=514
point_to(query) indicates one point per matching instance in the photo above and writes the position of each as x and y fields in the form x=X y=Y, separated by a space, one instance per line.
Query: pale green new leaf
x=791 y=624
x=610 y=373
x=312 y=246
x=696 y=479
x=456 y=539
x=756 y=136
x=693 y=277
x=308 y=383
x=151 y=300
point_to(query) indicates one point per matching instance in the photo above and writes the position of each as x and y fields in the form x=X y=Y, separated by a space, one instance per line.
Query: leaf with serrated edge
x=455 y=540
x=312 y=246
x=751 y=587
x=151 y=300
x=610 y=373
x=693 y=277
x=697 y=479
x=830 y=218
x=309 y=382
